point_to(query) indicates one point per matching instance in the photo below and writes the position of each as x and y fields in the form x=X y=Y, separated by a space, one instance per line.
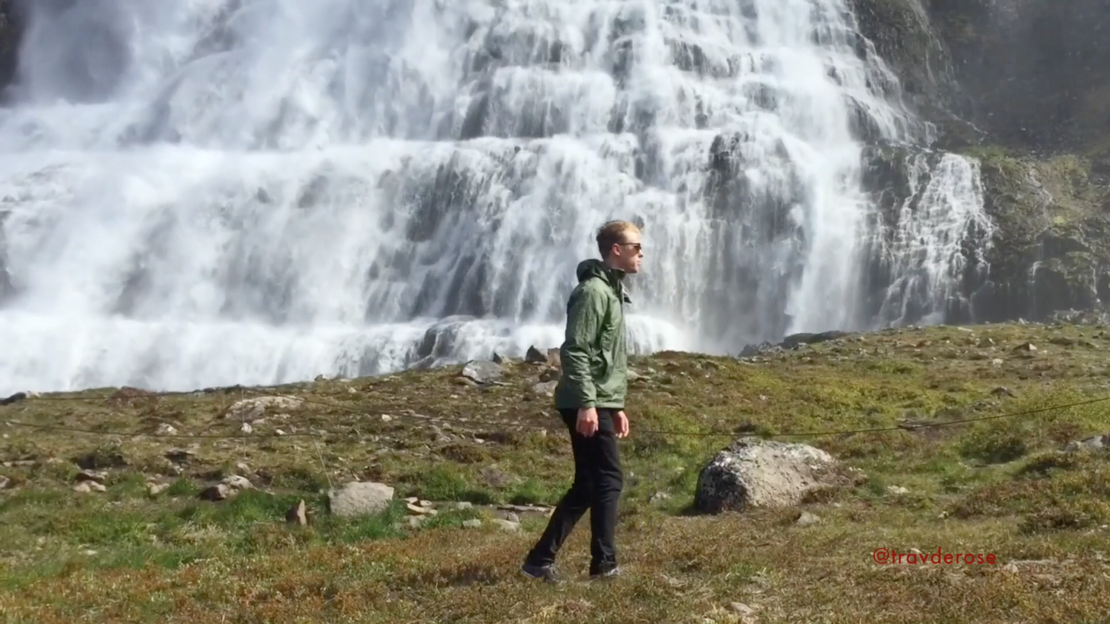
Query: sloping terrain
x=1001 y=486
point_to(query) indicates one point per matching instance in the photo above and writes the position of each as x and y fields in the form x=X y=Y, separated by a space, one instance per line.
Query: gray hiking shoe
x=547 y=573
x=610 y=573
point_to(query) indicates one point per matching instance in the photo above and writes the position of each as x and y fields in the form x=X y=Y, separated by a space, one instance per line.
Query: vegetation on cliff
x=1000 y=486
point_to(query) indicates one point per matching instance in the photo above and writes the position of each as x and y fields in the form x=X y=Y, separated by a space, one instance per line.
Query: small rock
x=238 y=483
x=360 y=498
x=996 y=362
x=296 y=514
x=659 y=497
x=1002 y=391
x=554 y=358
x=89 y=486
x=246 y=428
x=417 y=509
x=386 y=418
x=215 y=493
x=253 y=409
x=462 y=505
x=352 y=390
x=473 y=523
x=545 y=389
x=154 y=489
x=535 y=356
x=1026 y=346
x=412 y=500
x=166 y=430
x=741 y=608
x=807 y=519
x=415 y=521
x=99 y=476
x=4 y=481
x=550 y=374
x=896 y=490
x=179 y=456
x=241 y=467
x=481 y=372
x=507 y=525
x=498 y=358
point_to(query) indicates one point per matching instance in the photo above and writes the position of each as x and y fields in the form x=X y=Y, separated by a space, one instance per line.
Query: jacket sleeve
x=584 y=318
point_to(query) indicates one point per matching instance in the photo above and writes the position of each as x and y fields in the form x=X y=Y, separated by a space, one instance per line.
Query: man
x=590 y=399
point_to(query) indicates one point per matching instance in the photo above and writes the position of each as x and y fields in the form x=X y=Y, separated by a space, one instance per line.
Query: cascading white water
x=258 y=191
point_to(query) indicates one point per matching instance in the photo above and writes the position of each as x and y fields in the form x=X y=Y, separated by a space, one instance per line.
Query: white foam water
x=259 y=191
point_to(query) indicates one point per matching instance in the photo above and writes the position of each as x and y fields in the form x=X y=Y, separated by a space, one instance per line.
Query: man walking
x=590 y=399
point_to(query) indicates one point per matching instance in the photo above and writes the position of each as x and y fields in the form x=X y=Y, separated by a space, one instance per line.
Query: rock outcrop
x=759 y=473
x=11 y=28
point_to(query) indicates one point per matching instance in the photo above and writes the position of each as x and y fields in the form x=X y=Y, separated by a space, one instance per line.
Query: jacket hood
x=589 y=269
x=596 y=268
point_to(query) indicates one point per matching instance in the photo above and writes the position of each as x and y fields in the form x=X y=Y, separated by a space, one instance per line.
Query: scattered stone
x=997 y=362
x=359 y=498
x=4 y=481
x=498 y=358
x=415 y=521
x=253 y=409
x=462 y=505
x=420 y=509
x=807 y=519
x=481 y=372
x=179 y=456
x=215 y=493
x=550 y=374
x=296 y=514
x=659 y=497
x=166 y=430
x=99 y=476
x=1026 y=346
x=246 y=428
x=1092 y=443
x=896 y=490
x=386 y=418
x=763 y=473
x=241 y=467
x=535 y=356
x=89 y=486
x=544 y=388
x=1002 y=391
x=555 y=358
x=154 y=489
x=473 y=523
x=507 y=525
x=741 y=608
x=238 y=483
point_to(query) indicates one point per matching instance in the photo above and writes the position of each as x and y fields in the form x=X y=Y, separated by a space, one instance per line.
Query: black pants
x=597 y=487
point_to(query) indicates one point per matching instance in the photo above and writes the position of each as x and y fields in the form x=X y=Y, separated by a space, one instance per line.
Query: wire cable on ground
x=490 y=423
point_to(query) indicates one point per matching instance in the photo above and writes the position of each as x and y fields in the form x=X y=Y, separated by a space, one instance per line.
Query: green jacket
x=594 y=357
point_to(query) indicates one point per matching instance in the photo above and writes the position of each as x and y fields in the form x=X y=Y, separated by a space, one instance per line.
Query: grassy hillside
x=1000 y=486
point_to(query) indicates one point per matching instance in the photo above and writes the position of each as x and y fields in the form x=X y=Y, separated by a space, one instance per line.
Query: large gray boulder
x=756 y=473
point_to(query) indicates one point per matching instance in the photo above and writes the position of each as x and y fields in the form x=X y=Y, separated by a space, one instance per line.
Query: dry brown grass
x=996 y=486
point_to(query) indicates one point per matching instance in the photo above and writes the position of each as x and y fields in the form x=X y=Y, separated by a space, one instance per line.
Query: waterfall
x=259 y=191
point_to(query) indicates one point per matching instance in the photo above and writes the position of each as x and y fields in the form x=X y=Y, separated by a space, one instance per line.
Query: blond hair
x=613 y=233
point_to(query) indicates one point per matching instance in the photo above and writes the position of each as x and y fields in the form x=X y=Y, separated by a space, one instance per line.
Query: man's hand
x=587 y=421
x=621 y=424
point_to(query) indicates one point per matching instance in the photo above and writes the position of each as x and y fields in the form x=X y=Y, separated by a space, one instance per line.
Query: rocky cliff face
x=1022 y=85
x=10 y=28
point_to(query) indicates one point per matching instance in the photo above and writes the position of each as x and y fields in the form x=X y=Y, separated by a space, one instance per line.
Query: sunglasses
x=635 y=246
